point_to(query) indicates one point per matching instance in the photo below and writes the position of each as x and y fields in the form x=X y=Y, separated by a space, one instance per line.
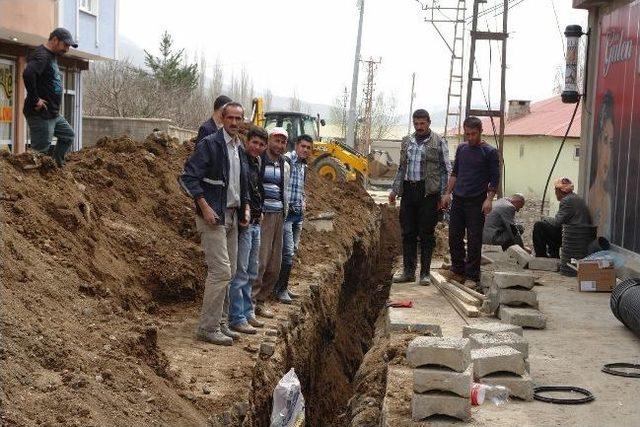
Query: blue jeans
x=42 y=132
x=240 y=305
x=291 y=238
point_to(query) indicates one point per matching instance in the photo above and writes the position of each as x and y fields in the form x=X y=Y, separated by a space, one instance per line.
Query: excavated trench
x=333 y=344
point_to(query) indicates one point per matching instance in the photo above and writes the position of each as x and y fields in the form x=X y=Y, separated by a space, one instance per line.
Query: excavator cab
x=295 y=124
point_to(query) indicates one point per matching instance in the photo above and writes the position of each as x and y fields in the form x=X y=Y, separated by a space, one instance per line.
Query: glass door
x=7 y=102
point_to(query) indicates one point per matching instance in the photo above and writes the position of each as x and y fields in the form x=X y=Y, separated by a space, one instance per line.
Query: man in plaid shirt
x=293 y=222
x=420 y=182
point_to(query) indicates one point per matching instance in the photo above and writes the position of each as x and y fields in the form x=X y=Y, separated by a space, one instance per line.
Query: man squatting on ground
x=473 y=183
x=241 y=314
x=293 y=222
x=43 y=82
x=275 y=172
x=214 y=177
x=214 y=123
x=420 y=183
x=500 y=226
x=547 y=233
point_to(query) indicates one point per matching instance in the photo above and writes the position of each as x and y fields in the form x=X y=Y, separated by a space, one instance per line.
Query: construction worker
x=420 y=182
x=214 y=177
x=275 y=180
x=241 y=315
x=215 y=122
x=547 y=233
x=43 y=83
x=470 y=191
x=293 y=222
x=500 y=226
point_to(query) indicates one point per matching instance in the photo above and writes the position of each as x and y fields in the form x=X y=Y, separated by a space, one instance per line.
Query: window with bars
x=90 y=6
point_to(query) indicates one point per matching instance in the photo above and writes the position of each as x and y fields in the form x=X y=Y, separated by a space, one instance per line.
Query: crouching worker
x=547 y=233
x=241 y=312
x=500 y=226
x=213 y=176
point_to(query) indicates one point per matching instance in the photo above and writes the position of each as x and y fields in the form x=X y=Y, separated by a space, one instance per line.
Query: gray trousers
x=271 y=234
x=220 y=245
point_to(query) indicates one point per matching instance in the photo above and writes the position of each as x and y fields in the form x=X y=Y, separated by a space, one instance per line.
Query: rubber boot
x=282 y=284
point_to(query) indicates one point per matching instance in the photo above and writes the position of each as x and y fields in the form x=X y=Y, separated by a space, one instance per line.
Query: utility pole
x=413 y=95
x=489 y=112
x=351 y=123
x=439 y=12
x=365 y=142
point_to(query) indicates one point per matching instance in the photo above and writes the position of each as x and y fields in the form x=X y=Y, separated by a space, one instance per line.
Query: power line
x=555 y=13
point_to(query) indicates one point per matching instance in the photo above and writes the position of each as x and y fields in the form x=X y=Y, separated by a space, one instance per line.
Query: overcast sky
x=308 y=46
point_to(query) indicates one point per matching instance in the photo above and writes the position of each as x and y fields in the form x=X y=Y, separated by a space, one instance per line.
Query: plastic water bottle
x=496 y=394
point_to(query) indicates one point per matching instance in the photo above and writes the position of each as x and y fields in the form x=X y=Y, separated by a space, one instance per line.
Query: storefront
x=7 y=102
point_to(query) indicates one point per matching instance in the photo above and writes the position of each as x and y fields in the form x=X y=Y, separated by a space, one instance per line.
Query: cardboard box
x=596 y=276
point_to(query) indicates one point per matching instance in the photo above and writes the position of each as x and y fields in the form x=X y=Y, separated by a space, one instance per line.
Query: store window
x=7 y=102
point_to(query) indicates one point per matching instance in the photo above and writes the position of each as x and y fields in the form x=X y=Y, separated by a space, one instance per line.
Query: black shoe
x=425 y=279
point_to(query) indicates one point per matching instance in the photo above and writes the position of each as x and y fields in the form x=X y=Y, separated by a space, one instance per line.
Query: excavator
x=330 y=159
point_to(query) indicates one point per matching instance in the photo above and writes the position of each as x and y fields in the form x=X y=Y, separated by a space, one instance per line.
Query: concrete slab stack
x=442 y=377
x=518 y=302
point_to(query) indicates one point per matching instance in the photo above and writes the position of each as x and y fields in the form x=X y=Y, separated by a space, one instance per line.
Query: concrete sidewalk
x=581 y=336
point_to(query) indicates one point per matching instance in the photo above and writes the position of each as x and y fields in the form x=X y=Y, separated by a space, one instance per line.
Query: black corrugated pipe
x=575 y=241
x=625 y=304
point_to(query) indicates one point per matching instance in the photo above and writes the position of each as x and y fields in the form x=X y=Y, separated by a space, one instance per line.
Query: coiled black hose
x=625 y=304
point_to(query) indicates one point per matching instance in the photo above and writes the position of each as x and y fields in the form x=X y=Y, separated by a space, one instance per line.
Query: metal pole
x=350 y=140
x=472 y=56
x=413 y=95
x=503 y=79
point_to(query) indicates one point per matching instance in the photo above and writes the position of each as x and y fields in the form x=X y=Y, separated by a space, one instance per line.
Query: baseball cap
x=64 y=35
x=279 y=131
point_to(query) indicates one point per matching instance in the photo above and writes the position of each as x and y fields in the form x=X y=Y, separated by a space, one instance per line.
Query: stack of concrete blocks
x=518 y=302
x=499 y=354
x=442 y=377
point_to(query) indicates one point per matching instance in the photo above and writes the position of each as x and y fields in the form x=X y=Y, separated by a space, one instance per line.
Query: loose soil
x=101 y=285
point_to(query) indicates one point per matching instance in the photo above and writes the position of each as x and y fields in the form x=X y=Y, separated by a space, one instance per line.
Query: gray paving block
x=490 y=328
x=519 y=255
x=438 y=403
x=400 y=321
x=544 y=264
x=451 y=352
x=497 y=359
x=510 y=339
x=525 y=317
x=520 y=386
x=513 y=296
x=513 y=279
x=443 y=379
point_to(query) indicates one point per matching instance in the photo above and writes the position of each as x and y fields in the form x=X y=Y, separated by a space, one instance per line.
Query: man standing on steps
x=212 y=125
x=293 y=222
x=275 y=180
x=241 y=315
x=420 y=182
x=214 y=177
x=43 y=82
x=473 y=184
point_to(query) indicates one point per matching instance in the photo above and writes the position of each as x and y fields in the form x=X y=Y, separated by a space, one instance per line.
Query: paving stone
x=267 y=349
x=520 y=386
x=497 y=359
x=513 y=279
x=443 y=379
x=519 y=255
x=432 y=403
x=490 y=328
x=513 y=296
x=544 y=264
x=451 y=352
x=510 y=339
x=525 y=317
x=401 y=321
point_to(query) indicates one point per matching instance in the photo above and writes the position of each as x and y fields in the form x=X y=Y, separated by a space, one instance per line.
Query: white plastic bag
x=288 y=402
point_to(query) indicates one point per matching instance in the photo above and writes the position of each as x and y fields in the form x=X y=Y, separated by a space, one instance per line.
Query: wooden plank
x=437 y=277
x=461 y=295
x=468 y=309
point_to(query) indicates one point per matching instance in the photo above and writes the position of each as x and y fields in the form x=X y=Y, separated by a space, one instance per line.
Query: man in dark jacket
x=214 y=177
x=212 y=125
x=43 y=82
x=547 y=233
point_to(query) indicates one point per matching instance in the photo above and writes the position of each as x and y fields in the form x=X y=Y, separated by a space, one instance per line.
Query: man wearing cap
x=215 y=122
x=275 y=180
x=43 y=82
x=500 y=226
x=547 y=233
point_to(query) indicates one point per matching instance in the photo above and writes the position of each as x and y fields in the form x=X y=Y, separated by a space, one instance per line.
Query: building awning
x=31 y=40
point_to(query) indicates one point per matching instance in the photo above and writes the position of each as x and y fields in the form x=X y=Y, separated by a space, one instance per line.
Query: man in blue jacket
x=214 y=177
x=212 y=125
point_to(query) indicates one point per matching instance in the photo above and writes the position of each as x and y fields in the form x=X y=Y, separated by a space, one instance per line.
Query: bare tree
x=217 y=79
x=268 y=99
x=384 y=116
x=338 y=112
x=295 y=104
